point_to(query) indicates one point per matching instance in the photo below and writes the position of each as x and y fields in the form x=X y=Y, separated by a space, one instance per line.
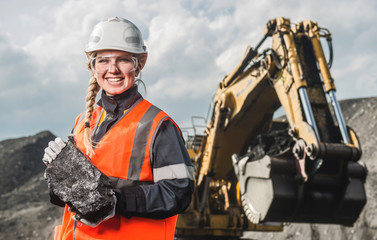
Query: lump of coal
x=79 y=184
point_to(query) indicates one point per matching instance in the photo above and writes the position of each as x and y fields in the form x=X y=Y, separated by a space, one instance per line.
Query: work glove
x=95 y=224
x=52 y=151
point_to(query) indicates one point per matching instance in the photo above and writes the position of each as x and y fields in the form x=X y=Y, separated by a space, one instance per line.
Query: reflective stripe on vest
x=124 y=153
x=128 y=143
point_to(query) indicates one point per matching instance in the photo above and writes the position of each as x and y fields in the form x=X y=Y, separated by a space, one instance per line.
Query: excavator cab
x=254 y=171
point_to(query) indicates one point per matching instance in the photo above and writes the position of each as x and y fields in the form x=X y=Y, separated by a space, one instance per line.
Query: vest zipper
x=74 y=229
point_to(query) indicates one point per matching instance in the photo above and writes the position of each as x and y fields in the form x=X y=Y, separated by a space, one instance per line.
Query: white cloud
x=29 y=104
x=191 y=45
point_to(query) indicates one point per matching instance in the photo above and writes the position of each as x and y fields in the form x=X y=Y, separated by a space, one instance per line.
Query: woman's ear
x=142 y=58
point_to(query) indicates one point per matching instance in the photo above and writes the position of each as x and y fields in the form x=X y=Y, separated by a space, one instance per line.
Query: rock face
x=25 y=209
x=26 y=213
x=20 y=159
x=80 y=184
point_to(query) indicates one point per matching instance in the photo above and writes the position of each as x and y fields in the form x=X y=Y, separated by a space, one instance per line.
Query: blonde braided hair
x=90 y=99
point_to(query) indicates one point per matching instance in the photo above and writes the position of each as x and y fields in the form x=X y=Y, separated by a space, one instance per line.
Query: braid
x=92 y=91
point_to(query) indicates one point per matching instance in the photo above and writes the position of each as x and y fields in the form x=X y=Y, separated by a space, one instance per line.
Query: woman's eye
x=125 y=60
x=103 y=61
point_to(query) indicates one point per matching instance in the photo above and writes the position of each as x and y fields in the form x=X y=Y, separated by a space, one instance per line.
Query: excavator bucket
x=272 y=189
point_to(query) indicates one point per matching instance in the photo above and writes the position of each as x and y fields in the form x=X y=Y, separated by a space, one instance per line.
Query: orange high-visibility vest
x=124 y=153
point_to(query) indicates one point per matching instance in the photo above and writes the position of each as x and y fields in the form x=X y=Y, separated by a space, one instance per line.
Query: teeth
x=114 y=79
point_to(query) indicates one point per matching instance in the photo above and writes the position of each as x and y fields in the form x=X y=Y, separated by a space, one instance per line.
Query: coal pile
x=26 y=213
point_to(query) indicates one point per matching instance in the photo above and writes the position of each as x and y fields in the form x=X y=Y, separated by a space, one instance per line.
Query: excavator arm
x=253 y=170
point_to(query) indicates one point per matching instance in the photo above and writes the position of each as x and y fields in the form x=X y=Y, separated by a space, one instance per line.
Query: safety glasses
x=124 y=64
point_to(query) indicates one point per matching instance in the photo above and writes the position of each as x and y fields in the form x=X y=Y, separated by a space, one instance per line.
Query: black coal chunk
x=80 y=184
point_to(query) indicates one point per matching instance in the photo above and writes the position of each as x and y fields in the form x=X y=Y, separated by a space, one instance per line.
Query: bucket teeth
x=251 y=213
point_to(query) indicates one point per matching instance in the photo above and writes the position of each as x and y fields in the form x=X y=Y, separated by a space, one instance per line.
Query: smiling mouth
x=113 y=80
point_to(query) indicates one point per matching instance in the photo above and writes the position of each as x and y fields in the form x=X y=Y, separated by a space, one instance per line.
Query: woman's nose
x=113 y=69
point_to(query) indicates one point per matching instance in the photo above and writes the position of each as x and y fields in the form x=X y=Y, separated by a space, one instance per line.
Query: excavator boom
x=255 y=172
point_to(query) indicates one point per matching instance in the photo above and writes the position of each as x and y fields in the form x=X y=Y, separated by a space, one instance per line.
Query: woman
x=131 y=141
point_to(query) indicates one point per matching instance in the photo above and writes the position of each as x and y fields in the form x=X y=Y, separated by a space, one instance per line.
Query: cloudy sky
x=192 y=44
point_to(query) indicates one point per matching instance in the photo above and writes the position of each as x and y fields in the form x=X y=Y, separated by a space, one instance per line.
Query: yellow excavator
x=255 y=172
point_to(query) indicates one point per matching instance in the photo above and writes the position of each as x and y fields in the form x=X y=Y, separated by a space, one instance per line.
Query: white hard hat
x=116 y=34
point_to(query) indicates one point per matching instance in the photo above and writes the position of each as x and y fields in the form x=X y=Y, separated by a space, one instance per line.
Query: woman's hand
x=52 y=151
x=97 y=222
